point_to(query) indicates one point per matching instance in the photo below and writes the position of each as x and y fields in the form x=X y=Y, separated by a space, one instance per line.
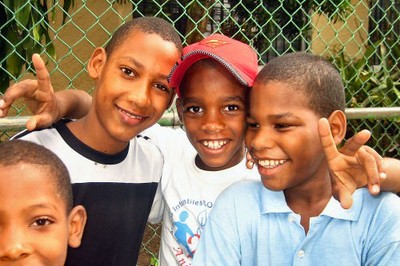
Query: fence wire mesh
x=360 y=37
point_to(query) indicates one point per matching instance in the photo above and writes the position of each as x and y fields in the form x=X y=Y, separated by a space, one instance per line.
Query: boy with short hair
x=290 y=217
x=115 y=171
x=37 y=222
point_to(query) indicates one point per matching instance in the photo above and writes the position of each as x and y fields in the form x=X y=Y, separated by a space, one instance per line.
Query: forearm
x=392 y=180
x=73 y=103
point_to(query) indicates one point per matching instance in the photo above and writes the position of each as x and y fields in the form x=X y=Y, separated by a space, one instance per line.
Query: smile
x=214 y=144
x=270 y=163
x=130 y=115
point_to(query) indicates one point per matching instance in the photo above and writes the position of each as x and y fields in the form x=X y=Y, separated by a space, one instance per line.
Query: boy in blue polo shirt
x=291 y=217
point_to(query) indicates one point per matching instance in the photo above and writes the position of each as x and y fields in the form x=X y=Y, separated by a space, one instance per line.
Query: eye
x=42 y=221
x=128 y=72
x=194 y=109
x=162 y=87
x=282 y=126
x=231 y=107
x=252 y=124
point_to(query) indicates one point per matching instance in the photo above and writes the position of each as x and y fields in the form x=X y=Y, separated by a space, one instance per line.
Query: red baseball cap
x=237 y=57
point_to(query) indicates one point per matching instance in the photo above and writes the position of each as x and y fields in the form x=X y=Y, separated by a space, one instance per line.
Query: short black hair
x=149 y=25
x=18 y=151
x=313 y=75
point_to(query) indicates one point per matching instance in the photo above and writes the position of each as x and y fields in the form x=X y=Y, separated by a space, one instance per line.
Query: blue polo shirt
x=251 y=225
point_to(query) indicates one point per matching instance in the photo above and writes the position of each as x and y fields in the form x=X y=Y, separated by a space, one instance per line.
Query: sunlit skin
x=283 y=139
x=34 y=224
x=213 y=112
x=132 y=91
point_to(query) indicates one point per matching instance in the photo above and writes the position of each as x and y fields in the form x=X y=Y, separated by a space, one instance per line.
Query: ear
x=338 y=123
x=77 y=220
x=97 y=62
x=179 y=107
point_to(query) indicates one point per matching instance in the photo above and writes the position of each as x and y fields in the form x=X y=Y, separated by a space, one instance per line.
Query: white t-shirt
x=189 y=194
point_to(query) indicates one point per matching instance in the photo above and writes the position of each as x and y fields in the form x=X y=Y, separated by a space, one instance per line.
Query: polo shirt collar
x=275 y=202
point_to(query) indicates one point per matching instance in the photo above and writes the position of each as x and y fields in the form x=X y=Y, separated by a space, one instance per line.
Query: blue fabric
x=250 y=225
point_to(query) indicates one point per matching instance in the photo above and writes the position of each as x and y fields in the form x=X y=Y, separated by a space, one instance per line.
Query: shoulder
x=169 y=140
x=241 y=194
x=382 y=198
x=48 y=132
x=385 y=204
x=244 y=186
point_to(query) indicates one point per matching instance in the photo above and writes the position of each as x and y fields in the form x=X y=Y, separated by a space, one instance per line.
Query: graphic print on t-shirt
x=188 y=225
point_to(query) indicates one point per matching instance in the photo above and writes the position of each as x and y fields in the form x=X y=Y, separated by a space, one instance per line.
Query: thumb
x=345 y=198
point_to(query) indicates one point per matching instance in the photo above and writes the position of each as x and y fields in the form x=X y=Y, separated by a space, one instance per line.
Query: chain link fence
x=360 y=37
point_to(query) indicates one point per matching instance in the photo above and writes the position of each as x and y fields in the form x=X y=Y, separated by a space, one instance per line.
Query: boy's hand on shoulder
x=38 y=96
x=352 y=166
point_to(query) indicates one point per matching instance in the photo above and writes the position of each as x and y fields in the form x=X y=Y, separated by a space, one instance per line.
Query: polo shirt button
x=291 y=218
x=300 y=253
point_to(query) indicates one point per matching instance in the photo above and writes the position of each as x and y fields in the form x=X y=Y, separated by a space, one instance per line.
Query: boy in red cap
x=212 y=82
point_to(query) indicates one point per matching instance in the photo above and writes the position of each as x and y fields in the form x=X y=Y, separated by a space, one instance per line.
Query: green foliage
x=24 y=30
x=154 y=261
x=373 y=81
x=368 y=83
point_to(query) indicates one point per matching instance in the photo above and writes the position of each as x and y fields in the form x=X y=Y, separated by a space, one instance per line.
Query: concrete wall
x=350 y=35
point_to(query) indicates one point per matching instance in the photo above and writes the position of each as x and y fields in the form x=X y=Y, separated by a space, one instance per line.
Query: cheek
x=160 y=102
x=249 y=135
x=53 y=248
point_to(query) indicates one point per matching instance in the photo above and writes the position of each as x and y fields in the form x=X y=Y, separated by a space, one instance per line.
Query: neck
x=95 y=137
x=309 y=200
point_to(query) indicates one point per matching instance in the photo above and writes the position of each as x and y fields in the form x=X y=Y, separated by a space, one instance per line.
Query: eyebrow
x=140 y=65
x=286 y=115
x=133 y=61
x=234 y=98
x=41 y=206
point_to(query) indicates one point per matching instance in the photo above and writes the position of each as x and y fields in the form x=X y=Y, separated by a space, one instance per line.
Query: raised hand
x=38 y=96
x=354 y=165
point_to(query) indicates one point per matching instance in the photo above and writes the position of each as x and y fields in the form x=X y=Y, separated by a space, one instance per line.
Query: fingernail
x=1 y=102
x=382 y=175
x=375 y=189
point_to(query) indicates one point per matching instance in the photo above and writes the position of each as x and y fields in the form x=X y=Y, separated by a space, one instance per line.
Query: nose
x=213 y=121
x=140 y=95
x=13 y=245
x=261 y=139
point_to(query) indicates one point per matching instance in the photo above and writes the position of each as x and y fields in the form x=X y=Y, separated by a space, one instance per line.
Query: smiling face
x=34 y=224
x=212 y=109
x=132 y=91
x=283 y=137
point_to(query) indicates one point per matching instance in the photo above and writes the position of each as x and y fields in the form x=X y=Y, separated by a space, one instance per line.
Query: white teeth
x=214 y=145
x=270 y=163
x=131 y=115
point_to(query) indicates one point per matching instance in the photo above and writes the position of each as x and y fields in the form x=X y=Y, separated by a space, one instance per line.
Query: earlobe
x=338 y=123
x=77 y=222
x=96 y=62
x=179 y=108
